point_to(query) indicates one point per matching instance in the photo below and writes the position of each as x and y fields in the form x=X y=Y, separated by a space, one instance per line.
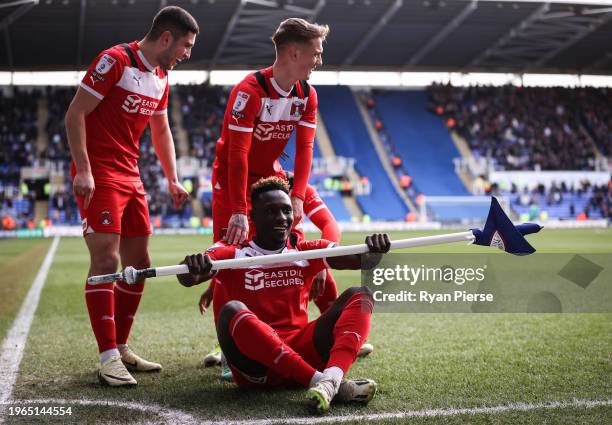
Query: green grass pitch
x=421 y=361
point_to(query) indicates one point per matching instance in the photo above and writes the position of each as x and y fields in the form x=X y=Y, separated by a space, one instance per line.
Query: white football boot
x=135 y=363
x=356 y=391
x=113 y=373
x=321 y=394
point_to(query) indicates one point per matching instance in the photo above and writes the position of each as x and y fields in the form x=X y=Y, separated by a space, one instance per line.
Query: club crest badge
x=297 y=109
x=106 y=218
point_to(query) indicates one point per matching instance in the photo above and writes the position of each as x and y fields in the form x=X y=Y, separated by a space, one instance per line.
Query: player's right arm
x=321 y=216
x=82 y=105
x=200 y=270
x=200 y=264
x=101 y=76
x=245 y=105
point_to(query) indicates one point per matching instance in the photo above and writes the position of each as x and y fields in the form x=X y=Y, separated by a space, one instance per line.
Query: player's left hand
x=378 y=243
x=298 y=209
x=177 y=192
x=318 y=285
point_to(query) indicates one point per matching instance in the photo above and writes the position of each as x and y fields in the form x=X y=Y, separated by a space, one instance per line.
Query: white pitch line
x=17 y=336
x=175 y=416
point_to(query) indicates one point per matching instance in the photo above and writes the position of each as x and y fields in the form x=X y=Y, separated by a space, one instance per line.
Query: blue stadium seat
x=350 y=138
x=426 y=149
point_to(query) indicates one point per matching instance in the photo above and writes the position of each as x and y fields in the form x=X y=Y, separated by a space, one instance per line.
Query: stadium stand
x=332 y=198
x=18 y=133
x=58 y=100
x=597 y=117
x=425 y=147
x=528 y=128
x=562 y=202
x=416 y=141
x=202 y=108
x=350 y=139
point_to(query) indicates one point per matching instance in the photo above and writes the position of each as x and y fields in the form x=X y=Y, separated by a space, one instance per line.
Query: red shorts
x=221 y=208
x=116 y=207
x=301 y=342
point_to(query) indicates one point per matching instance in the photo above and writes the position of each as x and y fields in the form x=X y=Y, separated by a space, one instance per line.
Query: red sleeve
x=304 y=141
x=325 y=221
x=316 y=210
x=103 y=73
x=220 y=296
x=220 y=251
x=317 y=264
x=163 y=103
x=245 y=105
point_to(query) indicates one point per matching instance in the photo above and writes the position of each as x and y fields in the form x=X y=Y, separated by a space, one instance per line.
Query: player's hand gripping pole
x=498 y=231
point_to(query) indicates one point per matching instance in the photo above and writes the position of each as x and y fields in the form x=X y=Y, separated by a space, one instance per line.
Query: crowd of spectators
x=597 y=116
x=558 y=200
x=521 y=128
x=58 y=100
x=202 y=110
x=18 y=132
x=160 y=203
x=528 y=128
x=18 y=136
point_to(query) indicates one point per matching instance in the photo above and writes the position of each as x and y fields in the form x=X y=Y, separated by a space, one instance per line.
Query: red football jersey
x=316 y=210
x=259 y=120
x=130 y=90
x=277 y=294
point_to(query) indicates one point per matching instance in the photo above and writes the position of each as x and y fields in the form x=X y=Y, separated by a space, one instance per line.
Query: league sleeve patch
x=105 y=63
x=241 y=101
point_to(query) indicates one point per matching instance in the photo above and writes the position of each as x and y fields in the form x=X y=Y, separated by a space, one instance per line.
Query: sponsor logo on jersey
x=105 y=63
x=269 y=108
x=131 y=103
x=135 y=104
x=256 y=279
x=106 y=218
x=241 y=101
x=268 y=131
x=137 y=79
x=253 y=280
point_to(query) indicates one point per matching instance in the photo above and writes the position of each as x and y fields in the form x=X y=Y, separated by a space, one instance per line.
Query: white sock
x=122 y=347
x=316 y=378
x=335 y=372
x=105 y=355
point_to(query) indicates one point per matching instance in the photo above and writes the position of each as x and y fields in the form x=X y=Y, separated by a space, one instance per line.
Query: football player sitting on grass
x=261 y=313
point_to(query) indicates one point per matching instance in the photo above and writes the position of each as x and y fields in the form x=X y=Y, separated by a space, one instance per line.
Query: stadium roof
x=406 y=35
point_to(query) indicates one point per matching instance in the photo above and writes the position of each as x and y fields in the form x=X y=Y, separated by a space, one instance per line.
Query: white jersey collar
x=265 y=251
x=145 y=61
x=280 y=91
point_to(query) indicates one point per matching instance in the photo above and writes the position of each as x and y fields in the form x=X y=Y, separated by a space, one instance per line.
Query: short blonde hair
x=297 y=30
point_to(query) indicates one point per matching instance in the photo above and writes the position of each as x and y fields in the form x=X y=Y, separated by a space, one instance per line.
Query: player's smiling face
x=272 y=215
x=178 y=50
x=309 y=57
